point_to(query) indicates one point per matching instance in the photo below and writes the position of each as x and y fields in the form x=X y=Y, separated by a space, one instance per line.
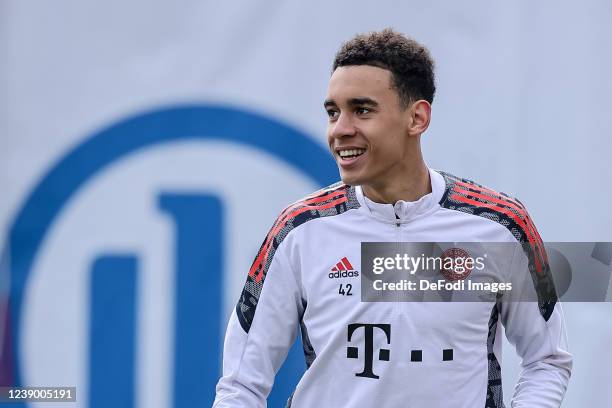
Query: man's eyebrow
x=362 y=101
x=329 y=103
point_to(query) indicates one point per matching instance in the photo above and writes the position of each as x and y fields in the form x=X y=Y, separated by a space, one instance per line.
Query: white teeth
x=352 y=152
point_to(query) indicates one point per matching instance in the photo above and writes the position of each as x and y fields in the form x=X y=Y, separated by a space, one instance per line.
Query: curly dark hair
x=410 y=63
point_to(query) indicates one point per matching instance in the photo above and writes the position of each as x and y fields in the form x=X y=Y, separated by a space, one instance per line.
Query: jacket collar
x=405 y=211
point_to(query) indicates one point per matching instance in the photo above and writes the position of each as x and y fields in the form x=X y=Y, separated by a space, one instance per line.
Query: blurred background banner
x=146 y=148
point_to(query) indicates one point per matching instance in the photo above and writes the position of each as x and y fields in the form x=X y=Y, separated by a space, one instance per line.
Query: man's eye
x=362 y=111
x=332 y=113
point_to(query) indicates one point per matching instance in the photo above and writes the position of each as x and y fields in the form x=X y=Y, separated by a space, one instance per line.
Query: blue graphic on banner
x=199 y=229
x=199 y=272
x=112 y=334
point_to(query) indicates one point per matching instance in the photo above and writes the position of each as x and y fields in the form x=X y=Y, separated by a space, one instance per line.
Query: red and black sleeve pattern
x=332 y=200
x=469 y=197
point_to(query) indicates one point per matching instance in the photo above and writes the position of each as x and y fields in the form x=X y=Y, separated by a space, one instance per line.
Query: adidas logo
x=343 y=269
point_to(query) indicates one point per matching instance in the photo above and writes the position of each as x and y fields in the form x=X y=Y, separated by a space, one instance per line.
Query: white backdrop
x=522 y=106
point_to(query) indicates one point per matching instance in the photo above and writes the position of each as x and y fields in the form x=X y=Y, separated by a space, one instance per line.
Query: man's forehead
x=358 y=81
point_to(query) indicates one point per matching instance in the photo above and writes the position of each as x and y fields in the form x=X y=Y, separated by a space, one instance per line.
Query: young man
x=389 y=354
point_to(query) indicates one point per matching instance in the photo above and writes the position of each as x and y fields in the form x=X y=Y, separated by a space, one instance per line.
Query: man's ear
x=420 y=115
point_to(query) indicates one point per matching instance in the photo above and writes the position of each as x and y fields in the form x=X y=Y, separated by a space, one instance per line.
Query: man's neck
x=412 y=187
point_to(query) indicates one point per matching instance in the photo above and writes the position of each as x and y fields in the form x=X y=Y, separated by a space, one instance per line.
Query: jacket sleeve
x=537 y=329
x=261 y=329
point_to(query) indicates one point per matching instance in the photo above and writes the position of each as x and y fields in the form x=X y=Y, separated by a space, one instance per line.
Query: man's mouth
x=348 y=156
x=350 y=153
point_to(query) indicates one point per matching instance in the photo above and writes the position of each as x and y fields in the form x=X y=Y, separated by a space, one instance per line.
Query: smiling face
x=369 y=131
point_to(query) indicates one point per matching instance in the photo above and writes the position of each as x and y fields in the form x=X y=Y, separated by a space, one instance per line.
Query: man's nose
x=343 y=126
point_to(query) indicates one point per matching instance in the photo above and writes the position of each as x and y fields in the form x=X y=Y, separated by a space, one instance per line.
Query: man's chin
x=351 y=180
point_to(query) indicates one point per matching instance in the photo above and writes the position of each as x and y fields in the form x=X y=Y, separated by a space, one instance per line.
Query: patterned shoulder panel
x=472 y=198
x=332 y=200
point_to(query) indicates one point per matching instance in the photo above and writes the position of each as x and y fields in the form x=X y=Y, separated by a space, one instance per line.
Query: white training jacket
x=390 y=354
